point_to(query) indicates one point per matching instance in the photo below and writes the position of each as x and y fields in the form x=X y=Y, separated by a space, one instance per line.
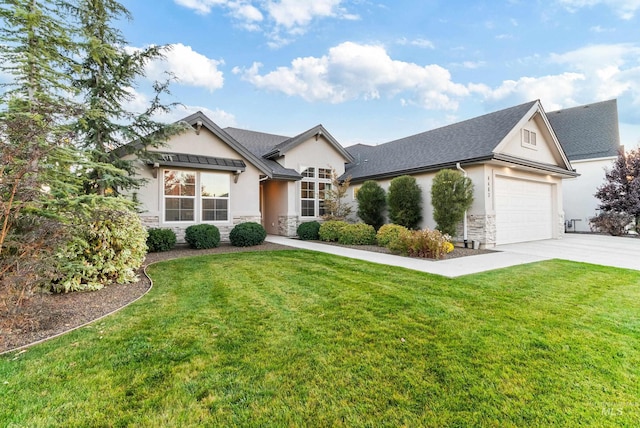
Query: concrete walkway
x=604 y=250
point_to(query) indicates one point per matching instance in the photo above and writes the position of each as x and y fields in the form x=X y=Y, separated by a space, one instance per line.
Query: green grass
x=295 y=338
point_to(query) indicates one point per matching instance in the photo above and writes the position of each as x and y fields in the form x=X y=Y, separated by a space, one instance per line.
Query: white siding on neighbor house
x=579 y=200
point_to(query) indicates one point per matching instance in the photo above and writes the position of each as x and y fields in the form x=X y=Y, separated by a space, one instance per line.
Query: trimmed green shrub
x=388 y=234
x=309 y=231
x=247 y=234
x=357 y=234
x=202 y=236
x=425 y=243
x=330 y=230
x=160 y=240
x=405 y=202
x=451 y=197
x=108 y=245
x=372 y=202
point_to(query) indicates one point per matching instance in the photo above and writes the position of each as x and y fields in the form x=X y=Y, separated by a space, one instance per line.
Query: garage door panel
x=524 y=210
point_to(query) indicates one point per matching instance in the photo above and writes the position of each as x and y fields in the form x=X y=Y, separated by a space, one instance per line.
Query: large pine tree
x=106 y=75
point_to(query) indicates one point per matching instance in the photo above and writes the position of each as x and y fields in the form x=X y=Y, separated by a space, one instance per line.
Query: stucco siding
x=579 y=200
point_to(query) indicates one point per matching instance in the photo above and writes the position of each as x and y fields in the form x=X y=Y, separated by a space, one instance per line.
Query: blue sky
x=372 y=71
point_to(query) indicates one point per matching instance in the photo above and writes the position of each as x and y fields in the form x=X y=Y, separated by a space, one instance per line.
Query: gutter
x=464 y=224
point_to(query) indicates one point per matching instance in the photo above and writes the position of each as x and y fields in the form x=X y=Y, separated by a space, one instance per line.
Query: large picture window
x=315 y=183
x=196 y=196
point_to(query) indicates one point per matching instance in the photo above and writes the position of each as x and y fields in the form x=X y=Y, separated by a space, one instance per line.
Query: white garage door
x=524 y=210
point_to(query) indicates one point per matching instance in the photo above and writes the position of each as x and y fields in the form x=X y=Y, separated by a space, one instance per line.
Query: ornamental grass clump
x=247 y=234
x=357 y=234
x=426 y=243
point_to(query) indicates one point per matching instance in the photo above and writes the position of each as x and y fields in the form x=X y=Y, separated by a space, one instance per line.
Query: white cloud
x=625 y=9
x=353 y=71
x=292 y=17
x=594 y=73
x=189 y=67
x=421 y=43
x=220 y=117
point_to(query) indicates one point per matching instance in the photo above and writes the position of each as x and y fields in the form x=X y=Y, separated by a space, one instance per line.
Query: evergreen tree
x=405 y=202
x=36 y=151
x=451 y=197
x=621 y=192
x=372 y=202
x=107 y=72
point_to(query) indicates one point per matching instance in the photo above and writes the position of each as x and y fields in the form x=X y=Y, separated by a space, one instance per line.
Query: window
x=528 y=138
x=196 y=196
x=315 y=183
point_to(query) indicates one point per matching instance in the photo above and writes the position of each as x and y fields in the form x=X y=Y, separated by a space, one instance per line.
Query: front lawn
x=293 y=338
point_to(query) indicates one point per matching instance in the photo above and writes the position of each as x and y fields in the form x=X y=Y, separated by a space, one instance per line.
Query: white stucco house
x=591 y=139
x=514 y=156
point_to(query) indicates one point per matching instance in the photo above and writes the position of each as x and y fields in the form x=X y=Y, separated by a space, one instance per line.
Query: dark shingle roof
x=260 y=143
x=473 y=139
x=589 y=131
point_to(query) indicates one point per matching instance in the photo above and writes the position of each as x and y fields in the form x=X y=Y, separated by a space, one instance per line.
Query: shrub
x=425 y=243
x=357 y=234
x=371 y=203
x=160 y=240
x=388 y=234
x=309 y=230
x=611 y=222
x=405 y=202
x=108 y=246
x=247 y=234
x=451 y=197
x=201 y=236
x=330 y=230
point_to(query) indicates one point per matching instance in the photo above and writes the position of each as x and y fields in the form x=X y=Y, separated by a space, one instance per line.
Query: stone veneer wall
x=287 y=225
x=481 y=228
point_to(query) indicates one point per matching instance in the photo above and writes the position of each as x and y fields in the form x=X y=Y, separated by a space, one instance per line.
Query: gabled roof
x=472 y=140
x=589 y=131
x=282 y=148
x=200 y=119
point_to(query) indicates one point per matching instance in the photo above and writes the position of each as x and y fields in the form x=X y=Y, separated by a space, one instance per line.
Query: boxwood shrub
x=201 y=236
x=330 y=230
x=247 y=234
x=160 y=240
x=309 y=230
x=357 y=234
x=388 y=234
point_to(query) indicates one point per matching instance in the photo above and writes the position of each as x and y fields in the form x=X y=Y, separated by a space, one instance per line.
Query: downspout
x=464 y=224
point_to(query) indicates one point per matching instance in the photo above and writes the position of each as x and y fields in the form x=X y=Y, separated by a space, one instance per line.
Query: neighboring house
x=590 y=137
x=228 y=176
x=513 y=157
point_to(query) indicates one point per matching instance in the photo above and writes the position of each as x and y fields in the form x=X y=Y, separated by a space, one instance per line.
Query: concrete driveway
x=622 y=252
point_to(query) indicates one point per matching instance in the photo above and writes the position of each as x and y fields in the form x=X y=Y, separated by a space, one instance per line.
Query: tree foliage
x=334 y=205
x=372 y=202
x=106 y=73
x=621 y=191
x=451 y=197
x=404 y=200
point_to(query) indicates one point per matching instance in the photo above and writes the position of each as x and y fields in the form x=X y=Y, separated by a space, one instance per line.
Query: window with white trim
x=313 y=187
x=529 y=139
x=191 y=196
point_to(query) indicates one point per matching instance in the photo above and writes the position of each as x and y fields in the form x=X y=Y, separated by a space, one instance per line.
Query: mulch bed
x=46 y=315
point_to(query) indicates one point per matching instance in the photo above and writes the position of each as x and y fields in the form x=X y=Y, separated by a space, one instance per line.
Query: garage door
x=524 y=210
